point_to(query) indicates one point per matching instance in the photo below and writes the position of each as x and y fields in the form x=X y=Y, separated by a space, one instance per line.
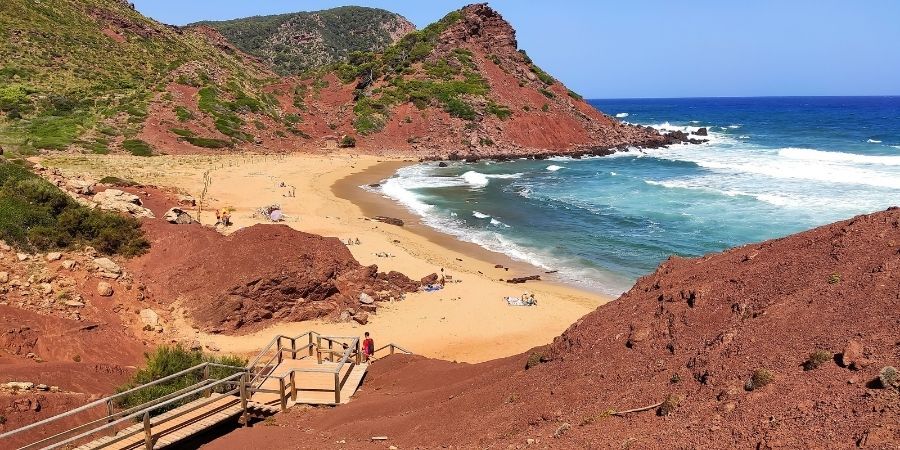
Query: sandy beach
x=467 y=321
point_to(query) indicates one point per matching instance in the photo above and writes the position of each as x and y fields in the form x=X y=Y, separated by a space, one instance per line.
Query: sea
x=772 y=167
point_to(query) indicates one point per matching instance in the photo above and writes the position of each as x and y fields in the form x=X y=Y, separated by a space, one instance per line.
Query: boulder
x=104 y=289
x=372 y=309
x=116 y=200
x=430 y=279
x=852 y=357
x=345 y=316
x=389 y=220
x=702 y=132
x=4 y=277
x=54 y=256
x=19 y=385
x=149 y=317
x=74 y=304
x=178 y=216
x=186 y=200
x=83 y=187
x=22 y=256
x=69 y=264
x=107 y=265
x=361 y=318
x=366 y=299
x=442 y=164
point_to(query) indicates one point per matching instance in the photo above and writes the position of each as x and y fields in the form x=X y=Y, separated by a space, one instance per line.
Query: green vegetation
x=137 y=147
x=547 y=93
x=182 y=132
x=669 y=405
x=116 y=181
x=760 y=378
x=545 y=107
x=889 y=378
x=543 y=76
x=347 y=141
x=575 y=95
x=207 y=142
x=36 y=215
x=816 y=359
x=834 y=278
x=535 y=359
x=502 y=112
x=165 y=361
x=341 y=32
x=58 y=81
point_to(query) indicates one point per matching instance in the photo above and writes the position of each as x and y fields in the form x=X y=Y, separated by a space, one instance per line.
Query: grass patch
x=116 y=181
x=543 y=76
x=502 y=112
x=36 y=215
x=137 y=147
x=207 y=142
x=168 y=360
x=575 y=95
x=547 y=93
x=182 y=132
x=183 y=114
x=759 y=379
x=816 y=359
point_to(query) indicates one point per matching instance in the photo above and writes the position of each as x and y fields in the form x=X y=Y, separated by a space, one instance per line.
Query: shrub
x=834 y=278
x=116 y=181
x=168 y=360
x=207 y=142
x=2 y=419
x=889 y=377
x=183 y=114
x=137 y=147
x=534 y=359
x=547 y=93
x=543 y=76
x=675 y=378
x=575 y=95
x=816 y=359
x=760 y=378
x=669 y=405
x=36 y=215
x=502 y=112
x=347 y=141
x=545 y=107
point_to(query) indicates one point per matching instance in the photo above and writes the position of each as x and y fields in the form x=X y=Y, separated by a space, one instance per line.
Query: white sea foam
x=873 y=141
x=478 y=179
x=554 y=168
x=479 y=215
x=613 y=173
x=818 y=155
x=743 y=136
x=735 y=127
x=498 y=223
x=622 y=115
x=896 y=146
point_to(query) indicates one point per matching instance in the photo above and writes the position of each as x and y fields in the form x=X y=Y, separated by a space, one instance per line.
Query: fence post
x=310 y=344
x=358 y=356
x=330 y=349
x=208 y=391
x=337 y=388
x=281 y=395
x=319 y=349
x=109 y=416
x=392 y=349
x=279 y=350
x=293 y=348
x=244 y=398
x=148 y=433
x=294 y=386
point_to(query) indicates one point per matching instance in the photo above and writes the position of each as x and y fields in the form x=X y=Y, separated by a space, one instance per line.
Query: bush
x=36 y=215
x=834 y=278
x=168 y=360
x=502 y=112
x=183 y=114
x=760 y=378
x=534 y=359
x=137 y=147
x=575 y=95
x=543 y=76
x=207 y=142
x=816 y=359
x=547 y=93
x=347 y=141
x=116 y=181
x=889 y=377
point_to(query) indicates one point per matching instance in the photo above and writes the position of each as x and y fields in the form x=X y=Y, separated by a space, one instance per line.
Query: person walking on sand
x=368 y=347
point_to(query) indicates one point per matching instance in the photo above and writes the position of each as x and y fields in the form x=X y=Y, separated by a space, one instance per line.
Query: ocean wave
x=896 y=146
x=613 y=173
x=479 y=215
x=807 y=154
x=743 y=136
x=498 y=223
x=554 y=168
x=478 y=179
x=873 y=141
x=622 y=115
x=734 y=127
x=701 y=185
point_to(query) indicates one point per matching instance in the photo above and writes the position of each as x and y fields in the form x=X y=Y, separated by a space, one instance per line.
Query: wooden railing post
x=293 y=348
x=281 y=395
x=319 y=349
x=207 y=392
x=148 y=432
x=244 y=398
x=330 y=349
x=310 y=344
x=279 y=350
x=109 y=415
x=337 y=388
x=294 y=386
x=392 y=349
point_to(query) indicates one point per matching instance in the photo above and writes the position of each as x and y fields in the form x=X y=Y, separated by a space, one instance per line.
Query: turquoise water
x=773 y=166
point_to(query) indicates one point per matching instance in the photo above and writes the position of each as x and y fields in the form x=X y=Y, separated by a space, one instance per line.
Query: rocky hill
x=296 y=42
x=96 y=76
x=787 y=343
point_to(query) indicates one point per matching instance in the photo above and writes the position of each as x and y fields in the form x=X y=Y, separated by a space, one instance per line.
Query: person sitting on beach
x=368 y=347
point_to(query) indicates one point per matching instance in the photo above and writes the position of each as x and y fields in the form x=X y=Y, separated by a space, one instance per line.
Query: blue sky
x=662 y=48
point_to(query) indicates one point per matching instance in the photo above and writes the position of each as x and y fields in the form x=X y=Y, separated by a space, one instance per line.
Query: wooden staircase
x=306 y=369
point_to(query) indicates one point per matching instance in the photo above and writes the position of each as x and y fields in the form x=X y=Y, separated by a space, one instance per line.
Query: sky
x=661 y=48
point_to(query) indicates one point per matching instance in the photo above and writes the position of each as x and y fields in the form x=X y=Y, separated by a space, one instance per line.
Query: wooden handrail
x=106 y=400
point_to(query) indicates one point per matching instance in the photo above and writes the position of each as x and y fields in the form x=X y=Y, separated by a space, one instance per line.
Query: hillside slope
x=698 y=332
x=96 y=76
x=296 y=42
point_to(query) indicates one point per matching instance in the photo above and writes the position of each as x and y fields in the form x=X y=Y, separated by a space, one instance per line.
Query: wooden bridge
x=305 y=369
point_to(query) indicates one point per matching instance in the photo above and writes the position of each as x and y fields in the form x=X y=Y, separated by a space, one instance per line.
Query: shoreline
x=467 y=321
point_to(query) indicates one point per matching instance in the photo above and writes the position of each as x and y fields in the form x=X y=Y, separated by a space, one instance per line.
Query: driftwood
x=628 y=411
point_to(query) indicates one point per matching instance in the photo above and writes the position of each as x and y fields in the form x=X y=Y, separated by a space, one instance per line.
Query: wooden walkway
x=307 y=369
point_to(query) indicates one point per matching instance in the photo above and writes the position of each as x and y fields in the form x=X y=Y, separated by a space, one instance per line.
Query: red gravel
x=696 y=329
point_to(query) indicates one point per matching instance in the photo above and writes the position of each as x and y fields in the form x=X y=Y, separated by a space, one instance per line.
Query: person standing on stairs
x=368 y=347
